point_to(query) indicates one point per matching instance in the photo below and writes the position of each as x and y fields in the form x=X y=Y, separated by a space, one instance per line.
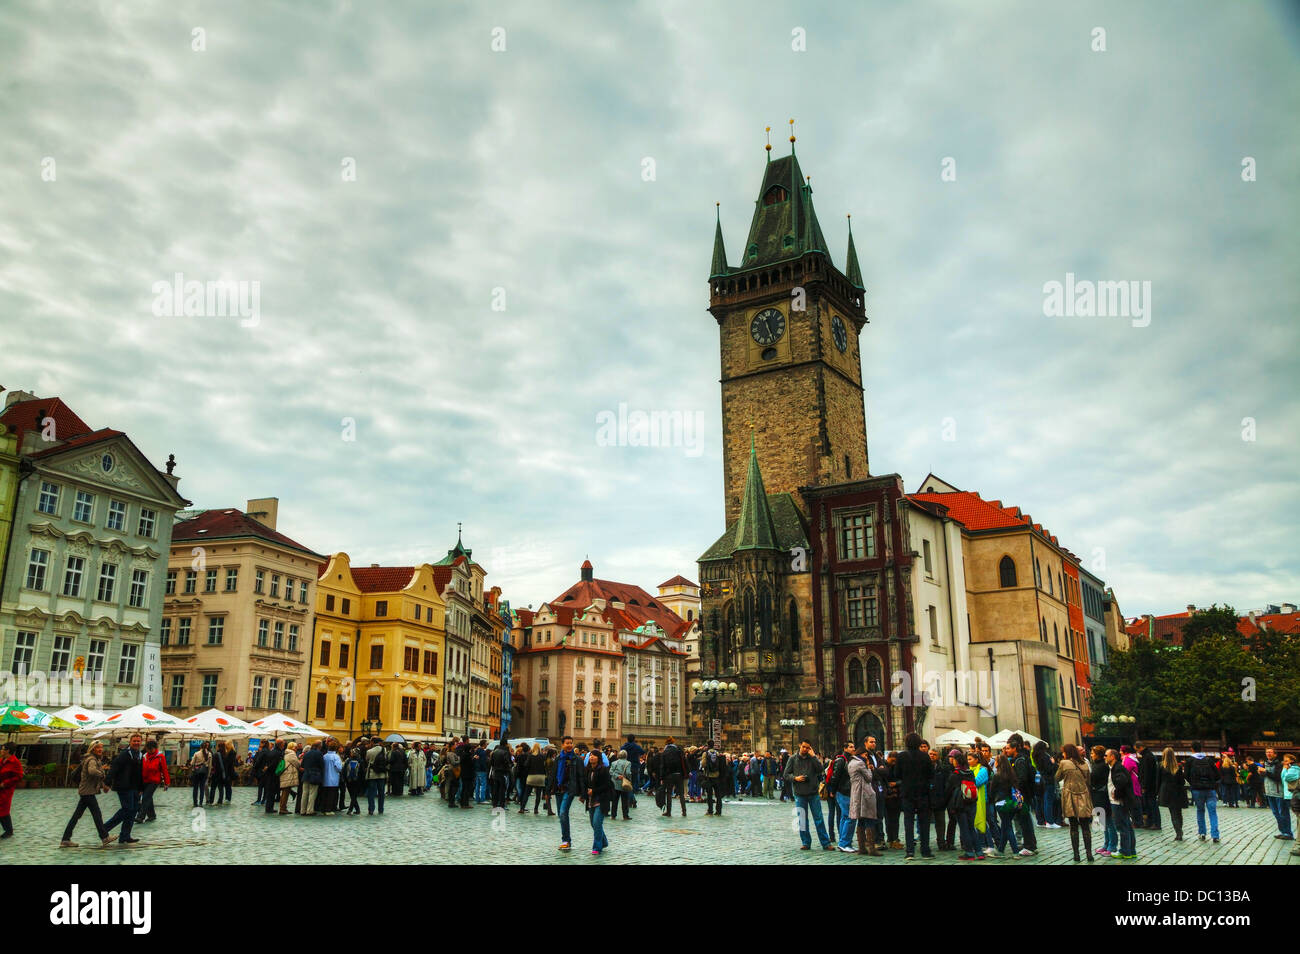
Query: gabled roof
x=638 y=604
x=21 y=417
x=233 y=524
x=382 y=579
x=678 y=580
x=787 y=228
x=976 y=513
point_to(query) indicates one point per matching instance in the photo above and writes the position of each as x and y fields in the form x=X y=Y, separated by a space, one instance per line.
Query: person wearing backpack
x=673 y=766
x=376 y=776
x=711 y=768
x=1124 y=804
x=1203 y=779
x=841 y=788
x=962 y=798
x=1024 y=769
x=354 y=777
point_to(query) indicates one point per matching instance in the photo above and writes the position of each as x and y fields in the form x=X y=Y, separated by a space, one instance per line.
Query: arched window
x=1007 y=572
x=1056 y=635
x=875 y=686
x=1049 y=582
x=764 y=617
x=855 y=677
x=749 y=618
x=794 y=625
x=690 y=615
x=774 y=195
x=1042 y=629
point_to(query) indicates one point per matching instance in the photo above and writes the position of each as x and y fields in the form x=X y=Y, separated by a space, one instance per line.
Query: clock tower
x=789 y=323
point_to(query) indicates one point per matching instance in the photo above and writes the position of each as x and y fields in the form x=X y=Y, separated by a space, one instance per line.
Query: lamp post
x=366 y=726
x=1119 y=721
x=792 y=725
x=712 y=688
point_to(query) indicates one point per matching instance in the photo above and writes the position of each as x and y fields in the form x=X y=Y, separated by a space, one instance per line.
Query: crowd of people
x=982 y=803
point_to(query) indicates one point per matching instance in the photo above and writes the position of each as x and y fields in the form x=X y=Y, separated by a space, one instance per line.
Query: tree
x=1214 y=621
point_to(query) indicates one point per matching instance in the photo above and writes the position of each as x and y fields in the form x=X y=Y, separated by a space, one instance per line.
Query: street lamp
x=713 y=688
x=792 y=725
x=366 y=726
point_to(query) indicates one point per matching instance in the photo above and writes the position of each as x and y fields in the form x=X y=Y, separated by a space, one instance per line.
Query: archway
x=869 y=724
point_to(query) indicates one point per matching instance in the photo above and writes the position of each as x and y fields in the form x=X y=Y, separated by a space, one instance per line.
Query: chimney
x=1190 y=609
x=13 y=397
x=264 y=510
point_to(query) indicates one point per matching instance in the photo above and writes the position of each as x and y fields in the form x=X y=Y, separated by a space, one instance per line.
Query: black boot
x=1087 y=841
x=1074 y=841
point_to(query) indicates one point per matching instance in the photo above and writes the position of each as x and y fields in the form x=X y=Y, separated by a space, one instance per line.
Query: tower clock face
x=841 y=336
x=767 y=327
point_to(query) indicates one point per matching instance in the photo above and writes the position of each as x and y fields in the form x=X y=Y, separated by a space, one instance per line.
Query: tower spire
x=719 y=266
x=852 y=271
x=755 y=530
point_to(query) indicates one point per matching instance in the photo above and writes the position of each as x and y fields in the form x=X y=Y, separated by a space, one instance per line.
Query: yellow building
x=378 y=651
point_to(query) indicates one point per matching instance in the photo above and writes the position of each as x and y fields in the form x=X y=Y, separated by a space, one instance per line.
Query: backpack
x=969 y=792
x=380 y=764
x=353 y=770
x=712 y=766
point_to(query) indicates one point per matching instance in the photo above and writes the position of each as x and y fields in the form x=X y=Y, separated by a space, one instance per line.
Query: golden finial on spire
x=792 y=132
x=768 y=147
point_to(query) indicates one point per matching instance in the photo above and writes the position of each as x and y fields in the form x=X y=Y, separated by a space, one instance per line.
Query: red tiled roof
x=1276 y=622
x=678 y=580
x=382 y=579
x=20 y=417
x=441 y=577
x=232 y=523
x=585 y=592
x=81 y=440
x=526 y=617
x=968 y=509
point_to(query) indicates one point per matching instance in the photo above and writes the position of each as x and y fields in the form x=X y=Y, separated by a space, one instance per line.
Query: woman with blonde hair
x=1169 y=791
x=200 y=769
x=534 y=780
x=289 y=777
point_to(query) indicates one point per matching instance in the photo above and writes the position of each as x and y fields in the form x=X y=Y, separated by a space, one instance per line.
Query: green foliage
x=1215 y=621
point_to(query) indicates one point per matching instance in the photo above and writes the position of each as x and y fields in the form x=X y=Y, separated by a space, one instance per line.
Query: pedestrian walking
x=569 y=784
x=11 y=773
x=599 y=793
x=1171 y=790
x=200 y=768
x=673 y=768
x=125 y=777
x=90 y=782
x=354 y=777
x=803 y=773
x=1075 y=780
x=153 y=772
x=1203 y=779
x=620 y=775
x=712 y=769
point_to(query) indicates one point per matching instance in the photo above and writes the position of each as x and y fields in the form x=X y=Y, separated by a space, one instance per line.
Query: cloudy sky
x=505 y=264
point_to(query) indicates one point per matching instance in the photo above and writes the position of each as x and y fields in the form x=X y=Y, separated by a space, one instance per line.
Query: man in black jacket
x=1149 y=779
x=260 y=767
x=1024 y=770
x=1124 y=805
x=397 y=770
x=914 y=774
x=126 y=777
x=1203 y=779
x=840 y=786
x=713 y=772
x=313 y=776
x=879 y=773
x=500 y=763
x=672 y=766
x=272 y=791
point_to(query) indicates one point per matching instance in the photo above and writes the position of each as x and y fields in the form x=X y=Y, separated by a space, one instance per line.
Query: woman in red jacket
x=11 y=773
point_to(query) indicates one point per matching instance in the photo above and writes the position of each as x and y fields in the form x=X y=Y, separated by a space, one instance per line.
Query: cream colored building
x=237 y=614
x=683 y=597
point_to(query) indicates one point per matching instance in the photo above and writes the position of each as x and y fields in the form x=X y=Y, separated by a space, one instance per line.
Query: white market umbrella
x=279 y=725
x=140 y=718
x=214 y=722
x=956 y=737
x=999 y=740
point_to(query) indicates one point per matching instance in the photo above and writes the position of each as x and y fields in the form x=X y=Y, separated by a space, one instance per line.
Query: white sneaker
x=990 y=852
x=851 y=851
x=1053 y=826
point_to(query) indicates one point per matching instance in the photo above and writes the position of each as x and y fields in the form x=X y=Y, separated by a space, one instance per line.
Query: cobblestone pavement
x=424 y=830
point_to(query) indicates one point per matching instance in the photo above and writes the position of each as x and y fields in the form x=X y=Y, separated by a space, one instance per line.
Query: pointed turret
x=755 y=529
x=785 y=225
x=853 y=271
x=719 y=266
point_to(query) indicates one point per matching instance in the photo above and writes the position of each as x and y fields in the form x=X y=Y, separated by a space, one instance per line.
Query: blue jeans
x=693 y=786
x=1124 y=829
x=847 y=824
x=130 y=805
x=807 y=805
x=1203 y=799
x=1111 y=841
x=966 y=828
x=1006 y=831
x=599 y=841
x=1282 y=812
x=1052 y=804
x=480 y=786
x=375 y=786
x=833 y=814
x=991 y=823
x=565 y=801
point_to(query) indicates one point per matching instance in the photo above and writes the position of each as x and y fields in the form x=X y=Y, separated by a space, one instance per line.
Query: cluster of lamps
x=1118 y=718
x=713 y=685
x=371 y=728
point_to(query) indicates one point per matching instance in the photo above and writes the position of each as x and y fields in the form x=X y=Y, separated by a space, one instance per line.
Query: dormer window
x=775 y=194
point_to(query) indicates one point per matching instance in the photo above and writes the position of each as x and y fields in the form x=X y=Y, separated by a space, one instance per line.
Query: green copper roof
x=719 y=266
x=754 y=529
x=786 y=227
x=459 y=550
x=787 y=521
x=853 y=271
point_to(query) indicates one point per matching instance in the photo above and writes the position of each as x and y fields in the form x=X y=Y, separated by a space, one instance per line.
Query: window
x=107 y=582
x=428 y=710
x=273 y=694
x=543 y=723
x=208 y=697
x=411 y=659
x=430 y=662
x=347 y=606
x=339 y=707
x=577 y=719
x=578 y=688
x=408 y=708
x=216 y=630
x=288 y=588
x=856 y=538
x=257 y=692
x=860 y=601
x=178 y=691
x=49 y=499
x=191 y=581
x=1042 y=629
x=139 y=587
x=1007 y=572
x=259 y=580
x=183 y=631
x=83 y=507
x=856 y=683
x=232 y=579
x=1056 y=636
x=343 y=655
x=934 y=623
x=1050 y=591
x=415 y=613
x=546 y=662
x=96 y=657
x=37 y=562
x=262 y=630
x=325 y=652
x=377 y=657
x=875 y=686
x=293 y=637
x=61 y=661
x=24 y=652
x=275 y=586
x=1038 y=574
x=165 y=631
x=288 y=695
x=278 y=642
x=372 y=707
x=72 y=575
x=320 y=705
x=544 y=685
x=171 y=583
x=210 y=581
x=116 y=515
x=329 y=603
x=925 y=553
x=381 y=607
x=595 y=718
x=148 y=521
x=302 y=592
x=126 y=663
x=428 y=614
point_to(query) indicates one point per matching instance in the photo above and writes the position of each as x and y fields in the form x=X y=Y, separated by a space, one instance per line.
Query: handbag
x=279 y=769
x=535 y=781
x=625 y=783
